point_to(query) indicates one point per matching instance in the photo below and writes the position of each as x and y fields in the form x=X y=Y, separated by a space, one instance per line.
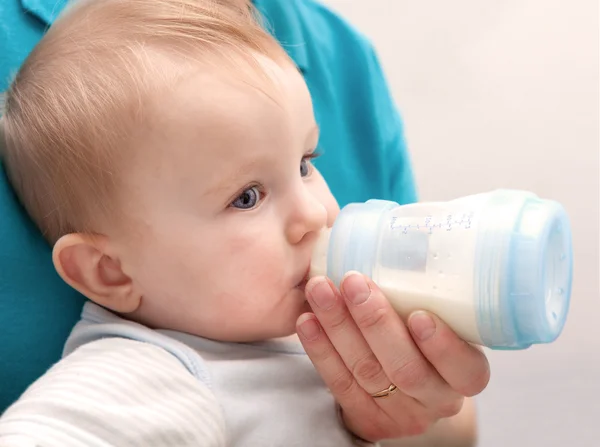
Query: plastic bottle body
x=496 y=266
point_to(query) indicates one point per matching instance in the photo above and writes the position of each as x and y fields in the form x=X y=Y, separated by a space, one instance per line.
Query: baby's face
x=225 y=207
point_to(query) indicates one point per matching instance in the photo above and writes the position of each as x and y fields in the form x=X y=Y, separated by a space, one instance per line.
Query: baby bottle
x=496 y=266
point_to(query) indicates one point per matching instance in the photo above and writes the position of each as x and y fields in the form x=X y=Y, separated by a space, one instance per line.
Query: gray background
x=505 y=94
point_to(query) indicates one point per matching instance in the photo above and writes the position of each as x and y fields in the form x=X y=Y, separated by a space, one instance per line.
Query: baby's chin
x=288 y=326
x=271 y=328
x=275 y=322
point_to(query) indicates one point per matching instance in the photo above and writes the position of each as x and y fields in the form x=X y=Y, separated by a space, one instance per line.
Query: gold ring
x=385 y=393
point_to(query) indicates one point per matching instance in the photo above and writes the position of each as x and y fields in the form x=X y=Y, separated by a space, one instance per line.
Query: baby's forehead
x=215 y=121
x=204 y=97
x=216 y=109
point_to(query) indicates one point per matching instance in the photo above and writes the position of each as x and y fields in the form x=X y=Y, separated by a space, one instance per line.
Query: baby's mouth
x=302 y=284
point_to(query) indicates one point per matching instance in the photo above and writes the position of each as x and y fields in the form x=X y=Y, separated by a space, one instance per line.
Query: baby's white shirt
x=122 y=384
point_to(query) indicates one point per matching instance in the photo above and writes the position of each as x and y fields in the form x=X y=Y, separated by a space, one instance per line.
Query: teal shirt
x=362 y=142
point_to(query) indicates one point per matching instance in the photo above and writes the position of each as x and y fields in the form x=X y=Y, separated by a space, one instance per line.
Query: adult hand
x=360 y=347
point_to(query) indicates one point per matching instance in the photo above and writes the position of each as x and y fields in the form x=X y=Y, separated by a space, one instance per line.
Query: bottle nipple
x=318 y=263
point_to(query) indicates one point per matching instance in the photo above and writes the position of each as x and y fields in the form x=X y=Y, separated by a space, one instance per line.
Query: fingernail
x=321 y=294
x=310 y=329
x=422 y=325
x=355 y=288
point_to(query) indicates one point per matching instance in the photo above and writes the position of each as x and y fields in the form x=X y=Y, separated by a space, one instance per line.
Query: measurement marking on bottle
x=429 y=225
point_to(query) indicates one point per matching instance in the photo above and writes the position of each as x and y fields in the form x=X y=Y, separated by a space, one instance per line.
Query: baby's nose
x=309 y=215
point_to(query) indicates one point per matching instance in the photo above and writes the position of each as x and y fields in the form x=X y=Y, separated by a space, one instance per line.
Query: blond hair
x=73 y=107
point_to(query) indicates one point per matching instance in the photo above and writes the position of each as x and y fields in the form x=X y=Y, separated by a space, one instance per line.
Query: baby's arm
x=115 y=392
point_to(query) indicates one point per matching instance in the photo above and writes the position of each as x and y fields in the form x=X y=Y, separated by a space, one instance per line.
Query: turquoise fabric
x=362 y=142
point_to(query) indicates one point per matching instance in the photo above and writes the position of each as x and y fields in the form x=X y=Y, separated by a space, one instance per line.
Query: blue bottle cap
x=527 y=300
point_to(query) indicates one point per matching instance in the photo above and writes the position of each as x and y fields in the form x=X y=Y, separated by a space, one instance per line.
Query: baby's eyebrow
x=228 y=182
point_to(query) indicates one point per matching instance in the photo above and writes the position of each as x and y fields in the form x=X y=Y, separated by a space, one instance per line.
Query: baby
x=164 y=148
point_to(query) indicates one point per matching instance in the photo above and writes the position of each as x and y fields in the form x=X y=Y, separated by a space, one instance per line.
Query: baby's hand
x=362 y=349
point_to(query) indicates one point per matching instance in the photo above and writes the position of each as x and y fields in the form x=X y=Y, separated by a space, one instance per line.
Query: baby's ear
x=83 y=263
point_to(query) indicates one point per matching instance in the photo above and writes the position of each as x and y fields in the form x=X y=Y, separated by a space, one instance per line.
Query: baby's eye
x=248 y=199
x=306 y=164
x=304 y=168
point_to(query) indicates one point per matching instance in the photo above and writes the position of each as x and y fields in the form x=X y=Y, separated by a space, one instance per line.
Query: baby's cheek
x=256 y=267
x=245 y=236
x=171 y=270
